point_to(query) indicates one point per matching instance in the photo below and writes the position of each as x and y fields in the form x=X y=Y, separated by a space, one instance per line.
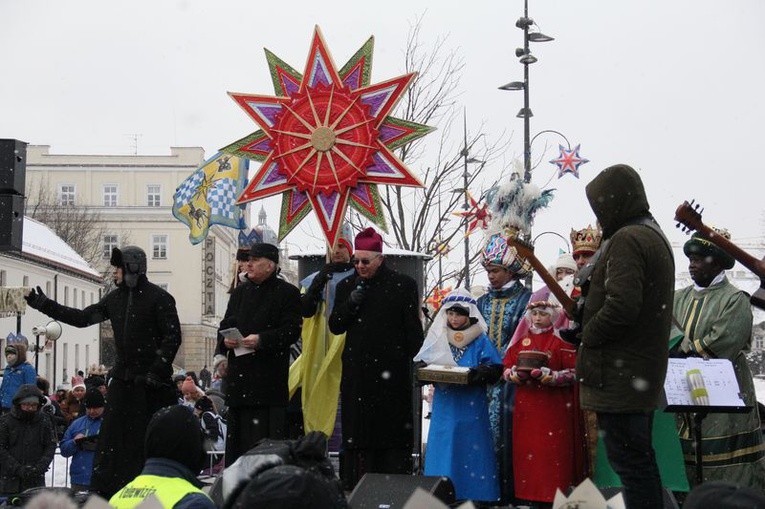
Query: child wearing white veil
x=460 y=445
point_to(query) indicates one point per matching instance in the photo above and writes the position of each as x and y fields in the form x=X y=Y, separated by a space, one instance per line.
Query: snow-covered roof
x=41 y=242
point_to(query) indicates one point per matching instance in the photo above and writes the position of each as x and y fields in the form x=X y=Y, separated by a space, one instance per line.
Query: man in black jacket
x=147 y=335
x=27 y=442
x=266 y=310
x=378 y=309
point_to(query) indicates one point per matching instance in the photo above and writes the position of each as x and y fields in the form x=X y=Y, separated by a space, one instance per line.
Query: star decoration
x=326 y=139
x=569 y=161
x=477 y=215
x=437 y=297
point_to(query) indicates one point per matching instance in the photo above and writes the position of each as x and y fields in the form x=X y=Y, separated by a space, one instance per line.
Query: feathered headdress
x=513 y=206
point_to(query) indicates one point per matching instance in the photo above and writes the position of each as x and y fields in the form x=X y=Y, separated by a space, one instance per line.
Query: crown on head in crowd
x=586 y=239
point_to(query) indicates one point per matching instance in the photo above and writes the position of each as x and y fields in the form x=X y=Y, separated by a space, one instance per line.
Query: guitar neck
x=744 y=258
x=552 y=284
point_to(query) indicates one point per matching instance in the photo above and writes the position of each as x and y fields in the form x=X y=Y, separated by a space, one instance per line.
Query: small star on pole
x=569 y=161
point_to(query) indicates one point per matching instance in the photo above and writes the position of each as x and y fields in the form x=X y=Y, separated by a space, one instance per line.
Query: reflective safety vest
x=169 y=491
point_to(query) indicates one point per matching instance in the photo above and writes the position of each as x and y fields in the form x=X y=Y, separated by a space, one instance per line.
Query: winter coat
x=147 y=332
x=622 y=359
x=383 y=334
x=25 y=443
x=16 y=376
x=270 y=309
x=81 y=467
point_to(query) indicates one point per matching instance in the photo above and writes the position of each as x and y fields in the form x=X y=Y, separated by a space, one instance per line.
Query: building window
x=77 y=366
x=110 y=195
x=159 y=247
x=87 y=357
x=66 y=296
x=25 y=281
x=66 y=194
x=110 y=241
x=74 y=297
x=2 y=278
x=153 y=195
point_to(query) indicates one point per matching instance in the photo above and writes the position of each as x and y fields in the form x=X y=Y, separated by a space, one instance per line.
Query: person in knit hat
x=17 y=372
x=27 y=442
x=174 y=456
x=81 y=438
x=265 y=310
x=317 y=389
x=378 y=309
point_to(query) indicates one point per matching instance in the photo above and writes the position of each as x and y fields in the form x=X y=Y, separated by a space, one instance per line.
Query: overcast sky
x=671 y=88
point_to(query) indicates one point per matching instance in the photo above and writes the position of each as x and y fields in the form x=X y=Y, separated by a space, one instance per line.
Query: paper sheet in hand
x=234 y=334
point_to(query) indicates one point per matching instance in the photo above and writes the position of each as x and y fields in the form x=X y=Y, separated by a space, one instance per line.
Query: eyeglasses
x=364 y=261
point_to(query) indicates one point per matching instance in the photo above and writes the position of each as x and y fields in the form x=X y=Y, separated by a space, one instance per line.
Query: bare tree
x=421 y=219
x=79 y=226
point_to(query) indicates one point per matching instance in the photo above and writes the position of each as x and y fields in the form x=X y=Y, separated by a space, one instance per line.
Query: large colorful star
x=569 y=161
x=477 y=215
x=326 y=139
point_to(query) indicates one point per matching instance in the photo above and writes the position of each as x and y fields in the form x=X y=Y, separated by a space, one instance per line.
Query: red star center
x=325 y=141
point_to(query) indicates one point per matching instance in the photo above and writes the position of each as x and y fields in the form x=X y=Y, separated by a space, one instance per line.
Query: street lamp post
x=466 y=203
x=526 y=58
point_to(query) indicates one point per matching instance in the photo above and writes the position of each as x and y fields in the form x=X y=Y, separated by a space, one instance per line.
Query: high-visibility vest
x=169 y=491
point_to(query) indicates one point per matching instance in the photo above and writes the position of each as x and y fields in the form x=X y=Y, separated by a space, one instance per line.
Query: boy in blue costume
x=460 y=444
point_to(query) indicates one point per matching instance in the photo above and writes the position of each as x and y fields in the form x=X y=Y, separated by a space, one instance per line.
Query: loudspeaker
x=669 y=499
x=13 y=165
x=392 y=490
x=11 y=222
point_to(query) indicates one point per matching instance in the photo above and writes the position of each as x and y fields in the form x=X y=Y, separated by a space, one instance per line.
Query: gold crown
x=586 y=239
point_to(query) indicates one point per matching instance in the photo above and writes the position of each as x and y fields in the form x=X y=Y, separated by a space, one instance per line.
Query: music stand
x=723 y=392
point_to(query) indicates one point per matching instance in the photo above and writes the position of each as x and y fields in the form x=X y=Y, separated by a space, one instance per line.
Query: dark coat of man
x=27 y=444
x=270 y=309
x=622 y=360
x=383 y=334
x=147 y=335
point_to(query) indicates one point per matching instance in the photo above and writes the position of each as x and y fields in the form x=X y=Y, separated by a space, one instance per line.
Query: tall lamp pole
x=465 y=203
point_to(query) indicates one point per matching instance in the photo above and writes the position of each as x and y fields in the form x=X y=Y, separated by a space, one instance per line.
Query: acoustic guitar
x=526 y=250
x=689 y=215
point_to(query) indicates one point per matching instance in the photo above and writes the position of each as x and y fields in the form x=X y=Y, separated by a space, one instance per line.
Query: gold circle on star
x=458 y=337
x=526 y=342
x=323 y=139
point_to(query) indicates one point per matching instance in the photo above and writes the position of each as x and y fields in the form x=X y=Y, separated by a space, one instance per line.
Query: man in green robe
x=717 y=321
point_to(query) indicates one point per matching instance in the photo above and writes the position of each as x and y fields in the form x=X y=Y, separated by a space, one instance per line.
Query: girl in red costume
x=546 y=411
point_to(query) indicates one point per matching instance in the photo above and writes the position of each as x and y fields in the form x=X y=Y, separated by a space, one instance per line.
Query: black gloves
x=36 y=298
x=573 y=336
x=359 y=293
x=485 y=374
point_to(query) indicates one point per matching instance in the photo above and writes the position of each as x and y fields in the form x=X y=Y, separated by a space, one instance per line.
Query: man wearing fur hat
x=27 y=442
x=717 y=323
x=17 y=372
x=147 y=335
x=378 y=309
x=502 y=307
x=266 y=310
x=622 y=358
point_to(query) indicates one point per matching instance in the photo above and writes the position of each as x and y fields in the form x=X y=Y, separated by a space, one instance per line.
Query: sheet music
x=719 y=380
